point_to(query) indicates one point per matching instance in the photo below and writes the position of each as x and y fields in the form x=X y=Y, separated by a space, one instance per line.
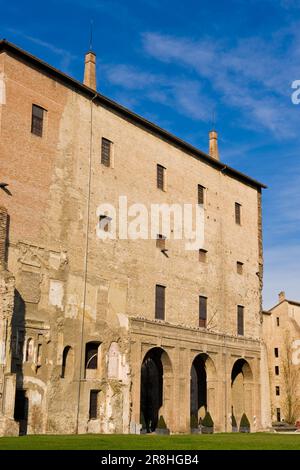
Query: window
x=39 y=355
x=202 y=311
x=105 y=152
x=161 y=242
x=202 y=256
x=240 y=320
x=161 y=177
x=160 y=297
x=276 y=370
x=29 y=350
x=277 y=390
x=238 y=218
x=277 y=321
x=91 y=355
x=276 y=352
x=66 y=354
x=201 y=194
x=239 y=267
x=278 y=414
x=105 y=223
x=93 y=410
x=37 y=120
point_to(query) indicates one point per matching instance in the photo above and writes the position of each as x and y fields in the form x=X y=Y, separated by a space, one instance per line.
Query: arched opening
x=198 y=387
x=67 y=362
x=242 y=390
x=156 y=372
x=92 y=359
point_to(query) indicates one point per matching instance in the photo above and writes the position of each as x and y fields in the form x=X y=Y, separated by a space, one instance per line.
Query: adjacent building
x=101 y=335
x=281 y=333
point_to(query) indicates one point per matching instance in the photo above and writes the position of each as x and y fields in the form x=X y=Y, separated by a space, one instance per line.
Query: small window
x=66 y=354
x=276 y=352
x=105 y=223
x=277 y=321
x=161 y=242
x=37 y=120
x=91 y=355
x=276 y=370
x=278 y=415
x=39 y=355
x=161 y=177
x=106 y=152
x=239 y=267
x=238 y=210
x=240 y=320
x=201 y=194
x=202 y=256
x=93 y=410
x=160 y=299
x=277 y=390
x=202 y=311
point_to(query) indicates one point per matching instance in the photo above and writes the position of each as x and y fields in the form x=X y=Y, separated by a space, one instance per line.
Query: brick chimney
x=281 y=296
x=3 y=237
x=213 y=145
x=90 y=70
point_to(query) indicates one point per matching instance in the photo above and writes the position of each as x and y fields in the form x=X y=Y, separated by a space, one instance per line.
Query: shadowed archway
x=202 y=390
x=242 y=390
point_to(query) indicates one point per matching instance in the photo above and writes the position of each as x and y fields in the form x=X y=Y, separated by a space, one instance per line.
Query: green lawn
x=258 y=441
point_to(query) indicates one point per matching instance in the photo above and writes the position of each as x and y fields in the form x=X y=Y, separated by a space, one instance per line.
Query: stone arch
x=203 y=386
x=67 y=367
x=242 y=390
x=156 y=388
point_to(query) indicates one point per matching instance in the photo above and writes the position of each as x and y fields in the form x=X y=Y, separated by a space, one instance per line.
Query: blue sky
x=177 y=63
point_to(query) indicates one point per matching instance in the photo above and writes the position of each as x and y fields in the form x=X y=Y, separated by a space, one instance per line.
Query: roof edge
x=130 y=115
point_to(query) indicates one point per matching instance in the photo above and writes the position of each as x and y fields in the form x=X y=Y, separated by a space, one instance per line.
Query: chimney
x=3 y=237
x=281 y=296
x=90 y=70
x=213 y=145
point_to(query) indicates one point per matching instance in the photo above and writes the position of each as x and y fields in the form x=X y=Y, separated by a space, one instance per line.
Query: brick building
x=96 y=333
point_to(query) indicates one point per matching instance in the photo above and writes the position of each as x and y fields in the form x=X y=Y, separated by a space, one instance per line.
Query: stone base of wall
x=8 y=427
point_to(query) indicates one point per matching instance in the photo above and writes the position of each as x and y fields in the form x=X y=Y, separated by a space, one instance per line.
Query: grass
x=259 y=441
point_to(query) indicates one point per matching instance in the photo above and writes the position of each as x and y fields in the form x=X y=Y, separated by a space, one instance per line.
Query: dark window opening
x=105 y=152
x=277 y=389
x=202 y=256
x=238 y=209
x=278 y=414
x=201 y=194
x=37 y=120
x=160 y=299
x=276 y=352
x=276 y=370
x=161 y=177
x=277 y=321
x=240 y=267
x=91 y=355
x=66 y=352
x=161 y=242
x=105 y=223
x=93 y=410
x=240 y=320
x=202 y=311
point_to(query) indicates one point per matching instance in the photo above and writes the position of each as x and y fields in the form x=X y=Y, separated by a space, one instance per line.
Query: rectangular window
x=91 y=355
x=202 y=311
x=37 y=120
x=202 y=256
x=239 y=267
x=277 y=390
x=278 y=415
x=276 y=352
x=240 y=320
x=201 y=194
x=160 y=298
x=105 y=152
x=161 y=242
x=161 y=177
x=277 y=321
x=105 y=223
x=276 y=370
x=238 y=210
x=93 y=411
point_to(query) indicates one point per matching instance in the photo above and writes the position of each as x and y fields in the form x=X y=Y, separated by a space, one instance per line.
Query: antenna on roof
x=91 y=34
